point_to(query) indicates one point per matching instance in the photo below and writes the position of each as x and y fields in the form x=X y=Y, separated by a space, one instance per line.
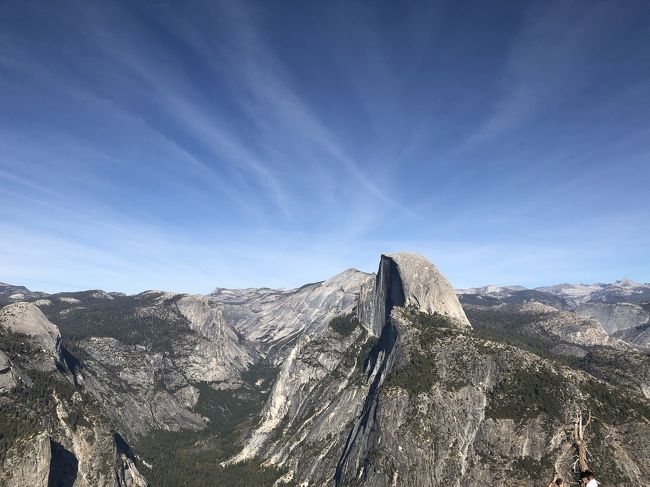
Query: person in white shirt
x=588 y=477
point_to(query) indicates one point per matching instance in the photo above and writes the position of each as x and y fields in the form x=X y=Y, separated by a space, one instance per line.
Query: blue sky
x=185 y=145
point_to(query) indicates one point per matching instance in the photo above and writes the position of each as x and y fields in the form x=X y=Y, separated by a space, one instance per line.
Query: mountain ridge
x=372 y=379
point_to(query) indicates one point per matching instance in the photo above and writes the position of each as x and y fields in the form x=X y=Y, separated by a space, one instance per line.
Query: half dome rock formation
x=425 y=288
x=408 y=280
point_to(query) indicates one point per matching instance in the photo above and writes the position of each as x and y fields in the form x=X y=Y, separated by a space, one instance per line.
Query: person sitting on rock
x=557 y=482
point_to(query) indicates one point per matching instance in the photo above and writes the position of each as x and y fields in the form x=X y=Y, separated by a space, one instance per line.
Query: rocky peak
x=11 y=294
x=27 y=319
x=627 y=283
x=274 y=318
x=535 y=307
x=348 y=280
x=203 y=318
x=491 y=289
x=409 y=280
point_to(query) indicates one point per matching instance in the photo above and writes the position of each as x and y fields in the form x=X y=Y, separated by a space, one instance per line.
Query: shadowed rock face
x=63 y=466
x=389 y=293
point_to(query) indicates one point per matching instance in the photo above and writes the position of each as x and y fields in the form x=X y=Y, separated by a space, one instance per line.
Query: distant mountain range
x=626 y=289
x=365 y=379
x=10 y=293
x=620 y=305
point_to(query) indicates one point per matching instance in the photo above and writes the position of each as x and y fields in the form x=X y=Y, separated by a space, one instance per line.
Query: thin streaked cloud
x=189 y=145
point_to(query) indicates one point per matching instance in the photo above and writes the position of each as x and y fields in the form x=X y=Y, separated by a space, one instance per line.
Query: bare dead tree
x=580 y=443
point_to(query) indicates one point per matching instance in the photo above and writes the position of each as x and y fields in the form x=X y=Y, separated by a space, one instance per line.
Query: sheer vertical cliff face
x=28 y=462
x=222 y=355
x=389 y=292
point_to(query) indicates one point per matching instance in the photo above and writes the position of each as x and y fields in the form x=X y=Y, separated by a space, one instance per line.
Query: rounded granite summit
x=425 y=288
x=27 y=319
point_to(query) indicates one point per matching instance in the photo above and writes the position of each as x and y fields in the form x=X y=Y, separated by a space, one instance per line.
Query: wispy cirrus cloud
x=217 y=143
x=560 y=49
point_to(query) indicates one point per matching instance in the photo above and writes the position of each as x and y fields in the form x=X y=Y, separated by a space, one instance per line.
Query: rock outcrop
x=28 y=462
x=127 y=475
x=615 y=316
x=127 y=380
x=78 y=459
x=222 y=355
x=568 y=326
x=7 y=376
x=639 y=335
x=59 y=435
x=425 y=288
x=408 y=280
x=274 y=319
x=13 y=294
x=456 y=409
x=617 y=306
x=27 y=319
x=322 y=405
x=415 y=397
